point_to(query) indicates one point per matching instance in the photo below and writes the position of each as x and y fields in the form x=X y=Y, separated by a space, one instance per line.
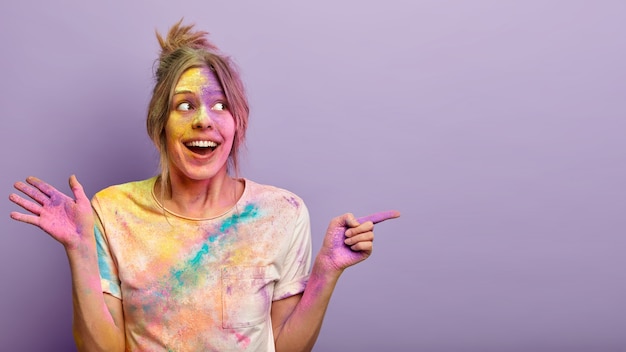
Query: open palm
x=67 y=220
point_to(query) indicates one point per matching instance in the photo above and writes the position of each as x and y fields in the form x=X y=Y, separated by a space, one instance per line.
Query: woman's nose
x=202 y=119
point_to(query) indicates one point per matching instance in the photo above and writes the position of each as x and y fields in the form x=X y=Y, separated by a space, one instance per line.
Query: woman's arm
x=98 y=321
x=297 y=320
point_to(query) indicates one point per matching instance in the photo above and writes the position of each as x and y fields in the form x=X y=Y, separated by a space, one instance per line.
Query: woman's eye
x=219 y=106
x=184 y=106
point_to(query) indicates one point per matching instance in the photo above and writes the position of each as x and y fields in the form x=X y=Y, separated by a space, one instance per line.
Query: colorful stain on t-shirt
x=201 y=284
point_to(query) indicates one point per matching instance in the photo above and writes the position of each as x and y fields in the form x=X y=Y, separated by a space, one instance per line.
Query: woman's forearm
x=94 y=326
x=302 y=327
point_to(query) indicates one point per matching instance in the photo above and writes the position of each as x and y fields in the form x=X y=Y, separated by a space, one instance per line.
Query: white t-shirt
x=201 y=284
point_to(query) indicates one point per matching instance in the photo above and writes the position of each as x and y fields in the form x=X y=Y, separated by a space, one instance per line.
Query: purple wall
x=496 y=127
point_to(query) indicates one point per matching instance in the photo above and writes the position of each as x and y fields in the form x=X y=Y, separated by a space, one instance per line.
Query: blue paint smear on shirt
x=249 y=212
x=182 y=275
x=104 y=266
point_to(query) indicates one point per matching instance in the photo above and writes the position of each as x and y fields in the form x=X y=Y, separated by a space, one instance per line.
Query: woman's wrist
x=325 y=267
x=83 y=247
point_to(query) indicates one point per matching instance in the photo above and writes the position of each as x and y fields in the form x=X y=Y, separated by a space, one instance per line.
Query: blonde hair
x=182 y=49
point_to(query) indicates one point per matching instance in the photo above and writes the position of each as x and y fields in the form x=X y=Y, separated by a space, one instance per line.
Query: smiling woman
x=195 y=258
x=200 y=133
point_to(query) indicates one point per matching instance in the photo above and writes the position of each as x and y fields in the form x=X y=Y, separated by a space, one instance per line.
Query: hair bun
x=180 y=36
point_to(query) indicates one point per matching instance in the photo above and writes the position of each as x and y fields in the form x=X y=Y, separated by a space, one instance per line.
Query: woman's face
x=200 y=129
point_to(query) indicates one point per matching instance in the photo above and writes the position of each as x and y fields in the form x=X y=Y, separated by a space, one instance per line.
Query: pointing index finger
x=379 y=217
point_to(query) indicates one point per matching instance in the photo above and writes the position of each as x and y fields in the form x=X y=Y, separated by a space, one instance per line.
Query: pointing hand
x=349 y=240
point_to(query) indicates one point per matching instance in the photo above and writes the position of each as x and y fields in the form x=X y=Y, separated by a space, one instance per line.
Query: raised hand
x=67 y=220
x=349 y=240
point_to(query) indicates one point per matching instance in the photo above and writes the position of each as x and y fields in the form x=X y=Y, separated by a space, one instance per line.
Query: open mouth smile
x=202 y=147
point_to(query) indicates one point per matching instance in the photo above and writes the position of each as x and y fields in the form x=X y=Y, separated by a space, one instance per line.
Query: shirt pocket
x=246 y=295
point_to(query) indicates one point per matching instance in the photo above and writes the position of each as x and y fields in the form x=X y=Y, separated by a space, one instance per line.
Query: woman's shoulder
x=273 y=194
x=128 y=190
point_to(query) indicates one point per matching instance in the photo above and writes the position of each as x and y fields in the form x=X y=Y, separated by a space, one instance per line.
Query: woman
x=195 y=259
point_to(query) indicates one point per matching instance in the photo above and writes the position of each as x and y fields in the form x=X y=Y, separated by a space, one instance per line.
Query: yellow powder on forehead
x=198 y=79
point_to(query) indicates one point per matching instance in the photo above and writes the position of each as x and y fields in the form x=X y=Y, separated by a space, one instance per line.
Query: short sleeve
x=108 y=270
x=296 y=267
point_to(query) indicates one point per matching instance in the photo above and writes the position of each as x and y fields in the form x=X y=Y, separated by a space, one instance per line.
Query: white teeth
x=201 y=144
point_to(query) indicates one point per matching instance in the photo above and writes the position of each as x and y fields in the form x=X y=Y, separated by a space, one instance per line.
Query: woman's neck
x=201 y=198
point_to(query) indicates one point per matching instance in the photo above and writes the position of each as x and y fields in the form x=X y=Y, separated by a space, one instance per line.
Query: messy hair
x=184 y=48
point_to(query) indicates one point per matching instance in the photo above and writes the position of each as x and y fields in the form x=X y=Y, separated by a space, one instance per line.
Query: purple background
x=497 y=128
